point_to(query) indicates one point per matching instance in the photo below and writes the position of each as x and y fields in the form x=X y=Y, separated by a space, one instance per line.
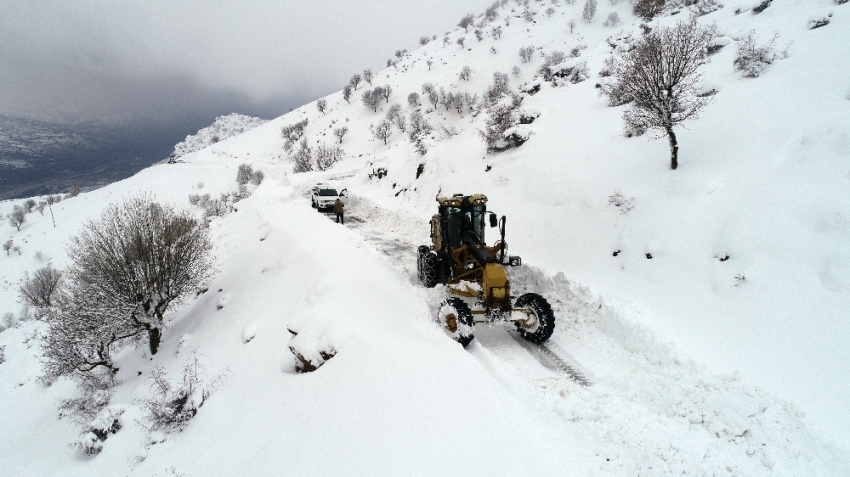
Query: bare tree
x=648 y=9
x=326 y=156
x=660 y=74
x=75 y=189
x=572 y=25
x=413 y=99
x=382 y=131
x=355 y=80
x=385 y=92
x=367 y=76
x=467 y=21
x=496 y=32
x=424 y=40
x=525 y=53
x=17 y=217
x=29 y=204
x=38 y=290
x=321 y=105
x=589 y=10
x=429 y=63
x=8 y=246
x=346 y=93
x=372 y=98
x=127 y=270
x=460 y=41
x=340 y=132
x=418 y=126
x=465 y=73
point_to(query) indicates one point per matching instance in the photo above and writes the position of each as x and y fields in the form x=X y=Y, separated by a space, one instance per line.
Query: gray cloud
x=122 y=60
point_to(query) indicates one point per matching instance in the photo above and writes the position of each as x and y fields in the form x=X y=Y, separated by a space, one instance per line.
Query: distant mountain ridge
x=222 y=128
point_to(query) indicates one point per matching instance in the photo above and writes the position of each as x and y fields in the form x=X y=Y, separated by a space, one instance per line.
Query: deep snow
x=694 y=371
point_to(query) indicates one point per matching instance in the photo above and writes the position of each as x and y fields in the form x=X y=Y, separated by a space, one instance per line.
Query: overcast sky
x=125 y=59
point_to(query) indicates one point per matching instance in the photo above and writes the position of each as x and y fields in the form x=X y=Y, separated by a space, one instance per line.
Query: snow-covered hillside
x=224 y=127
x=722 y=354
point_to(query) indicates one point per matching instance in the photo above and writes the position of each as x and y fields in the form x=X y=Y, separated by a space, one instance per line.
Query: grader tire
x=426 y=267
x=544 y=319
x=456 y=318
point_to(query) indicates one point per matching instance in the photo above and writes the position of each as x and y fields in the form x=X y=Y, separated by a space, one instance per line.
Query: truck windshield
x=462 y=219
x=327 y=192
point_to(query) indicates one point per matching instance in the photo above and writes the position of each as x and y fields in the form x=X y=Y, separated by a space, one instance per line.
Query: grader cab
x=459 y=258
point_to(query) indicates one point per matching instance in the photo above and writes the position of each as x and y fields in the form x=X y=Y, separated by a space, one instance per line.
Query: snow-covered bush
x=424 y=40
x=172 y=406
x=762 y=6
x=367 y=75
x=625 y=204
x=753 y=59
x=704 y=7
x=382 y=131
x=245 y=174
x=553 y=58
x=321 y=105
x=465 y=73
x=502 y=107
x=38 y=290
x=106 y=422
x=496 y=32
x=7 y=245
x=303 y=157
x=418 y=126
x=327 y=156
x=820 y=21
x=346 y=93
x=355 y=80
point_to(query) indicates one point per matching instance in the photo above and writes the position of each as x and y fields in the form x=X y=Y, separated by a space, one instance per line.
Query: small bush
x=762 y=6
x=246 y=174
x=465 y=73
x=8 y=246
x=525 y=53
x=753 y=59
x=589 y=10
x=413 y=99
x=38 y=290
x=346 y=93
x=303 y=157
x=172 y=406
x=340 y=132
x=322 y=105
x=17 y=217
x=612 y=20
x=293 y=132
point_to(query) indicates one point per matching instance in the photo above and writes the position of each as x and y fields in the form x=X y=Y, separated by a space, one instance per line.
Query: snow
x=699 y=364
x=224 y=127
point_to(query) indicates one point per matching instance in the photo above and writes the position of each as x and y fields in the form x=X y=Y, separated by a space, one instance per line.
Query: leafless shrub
x=648 y=9
x=572 y=25
x=346 y=93
x=293 y=132
x=303 y=157
x=612 y=20
x=17 y=217
x=340 y=132
x=625 y=204
x=661 y=74
x=413 y=99
x=467 y=21
x=172 y=406
x=245 y=174
x=327 y=156
x=367 y=76
x=589 y=10
x=38 y=290
x=753 y=59
x=382 y=131
x=496 y=32
x=525 y=53
x=465 y=73
x=460 y=41
x=418 y=126
x=322 y=105
x=372 y=98
x=424 y=40
x=355 y=80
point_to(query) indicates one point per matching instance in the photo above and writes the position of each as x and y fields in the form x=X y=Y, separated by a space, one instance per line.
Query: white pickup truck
x=324 y=196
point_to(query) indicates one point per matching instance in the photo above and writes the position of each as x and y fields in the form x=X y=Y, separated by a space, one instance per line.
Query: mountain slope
x=761 y=180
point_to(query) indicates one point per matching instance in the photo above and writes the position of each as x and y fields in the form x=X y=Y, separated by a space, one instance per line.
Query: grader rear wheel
x=541 y=321
x=456 y=318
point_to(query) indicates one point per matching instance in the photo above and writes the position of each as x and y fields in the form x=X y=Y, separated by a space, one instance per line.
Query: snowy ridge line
x=546 y=356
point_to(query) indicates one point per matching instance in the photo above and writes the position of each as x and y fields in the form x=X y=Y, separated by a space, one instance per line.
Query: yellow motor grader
x=459 y=258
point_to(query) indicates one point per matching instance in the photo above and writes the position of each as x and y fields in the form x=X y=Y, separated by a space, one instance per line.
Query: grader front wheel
x=456 y=318
x=541 y=321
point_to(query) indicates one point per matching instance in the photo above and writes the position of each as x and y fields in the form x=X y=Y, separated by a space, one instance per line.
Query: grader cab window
x=458 y=220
